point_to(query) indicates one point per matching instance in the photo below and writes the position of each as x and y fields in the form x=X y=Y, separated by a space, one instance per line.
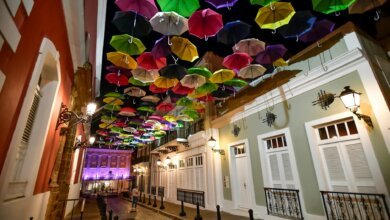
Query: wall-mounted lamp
x=159 y=163
x=167 y=160
x=83 y=144
x=66 y=115
x=212 y=143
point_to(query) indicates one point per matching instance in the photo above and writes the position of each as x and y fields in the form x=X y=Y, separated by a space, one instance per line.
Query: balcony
x=141 y=159
x=284 y=203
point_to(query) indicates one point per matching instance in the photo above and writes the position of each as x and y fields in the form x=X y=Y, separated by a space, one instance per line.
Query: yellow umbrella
x=105 y=125
x=196 y=94
x=113 y=101
x=170 y=118
x=274 y=15
x=280 y=62
x=197 y=105
x=123 y=60
x=222 y=76
x=184 y=49
x=165 y=83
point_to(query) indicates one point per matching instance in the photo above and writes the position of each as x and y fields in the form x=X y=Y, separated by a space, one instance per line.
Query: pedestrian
x=135 y=195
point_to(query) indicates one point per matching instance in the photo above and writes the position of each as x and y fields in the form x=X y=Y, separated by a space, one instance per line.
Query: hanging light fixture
x=212 y=143
x=159 y=163
x=167 y=160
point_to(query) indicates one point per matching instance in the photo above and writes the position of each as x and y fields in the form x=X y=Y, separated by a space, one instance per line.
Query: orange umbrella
x=123 y=60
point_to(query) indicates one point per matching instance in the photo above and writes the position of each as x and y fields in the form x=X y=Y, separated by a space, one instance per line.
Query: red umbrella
x=206 y=98
x=147 y=61
x=205 y=23
x=153 y=88
x=181 y=90
x=117 y=79
x=237 y=60
x=165 y=107
x=146 y=8
x=127 y=111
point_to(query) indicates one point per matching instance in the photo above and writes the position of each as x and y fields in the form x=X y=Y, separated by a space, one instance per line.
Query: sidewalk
x=172 y=211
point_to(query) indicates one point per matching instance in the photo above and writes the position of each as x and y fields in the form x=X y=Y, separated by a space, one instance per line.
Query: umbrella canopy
x=161 y=47
x=184 y=49
x=170 y=118
x=274 y=15
x=113 y=101
x=184 y=117
x=193 y=80
x=252 y=71
x=320 y=29
x=222 y=75
x=192 y=113
x=197 y=106
x=116 y=79
x=165 y=83
x=222 y=3
x=203 y=71
x=300 y=23
x=121 y=60
x=149 y=62
x=206 y=98
x=223 y=92
x=173 y=71
x=105 y=125
x=251 y=46
x=154 y=89
x=169 y=23
x=127 y=111
x=207 y=87
x=130 y=129
x=327 y=6
x=129 y=22
x=115 y=95
x=146 y=8
x=271 y=54
x=115 y=69
x=181 y=90
x=165 y=107
x=233 y=32
x=134 y=91
x=112 y=107
x=196 y=94
x=127 y=44
x=237 y=60
x=144 y=75
x=184 y=101
x=361 y=6
x=150 y=98
x=205 y=23
x=182 y=7
x=262 y=2
x=136 y=82
x=236 y=82
x=145 y=109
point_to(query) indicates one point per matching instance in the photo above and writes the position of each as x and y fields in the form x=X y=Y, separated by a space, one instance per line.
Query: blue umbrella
x=233 y=32
x=300 y=23
x=129 y=22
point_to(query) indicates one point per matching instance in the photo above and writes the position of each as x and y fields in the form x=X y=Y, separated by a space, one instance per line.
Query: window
x=198 y=160
x=336 y=130
x=276 y=142
x=190 y=162
x=181 y=163
x=239 y=150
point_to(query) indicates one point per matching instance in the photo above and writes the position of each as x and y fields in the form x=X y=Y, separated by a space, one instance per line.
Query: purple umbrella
x=114 y=69
x=146 y=8
x=222 y=3
x=271 y=54
x=223 y=92
x=319 y=30
x=161 y=48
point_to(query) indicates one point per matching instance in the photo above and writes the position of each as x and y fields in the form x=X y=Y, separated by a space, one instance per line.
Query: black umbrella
x=173 y=71
x=300 y=23
x=129 y=22
x=233 y=32
x=224 y=92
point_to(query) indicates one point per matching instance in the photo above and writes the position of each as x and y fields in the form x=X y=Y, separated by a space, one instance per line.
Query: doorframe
x=366 y=145
x=233 y=174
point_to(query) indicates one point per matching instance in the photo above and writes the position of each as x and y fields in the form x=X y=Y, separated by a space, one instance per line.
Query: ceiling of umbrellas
x=153 y=83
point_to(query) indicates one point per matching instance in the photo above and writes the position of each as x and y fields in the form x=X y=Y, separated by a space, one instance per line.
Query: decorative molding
x=7 y=25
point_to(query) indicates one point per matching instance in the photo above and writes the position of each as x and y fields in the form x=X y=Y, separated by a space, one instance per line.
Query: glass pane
x=284 y=141
x=322 y=132
x=235 y=151
x=342 y=129
x=243 y=150
x=332 y=131
x=280 y=142
x=274 y=144
x=352 y=127
x=269 y=145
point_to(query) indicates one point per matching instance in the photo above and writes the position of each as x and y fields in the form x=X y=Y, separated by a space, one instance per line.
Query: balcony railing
x=283 y=202
x=191 y=196
x=359 y=206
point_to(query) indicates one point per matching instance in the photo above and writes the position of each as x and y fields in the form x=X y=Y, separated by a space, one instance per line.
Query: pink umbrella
x=237 y=60
x=156 y=117
x=205 y=23
x=127 y=111
x=181 y=90
x=149 y=62
x=117 y=79
x=165 y=107
x=146 y=8
x=251 y=46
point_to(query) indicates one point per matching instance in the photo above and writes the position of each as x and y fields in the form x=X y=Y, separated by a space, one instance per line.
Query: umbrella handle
x=337 y=13
x=169 y=41
x=206 y=38
x=130 y=40
x=318 y=44
x=272 y=7
x=377 y=15
x=273 y=31
x=297 y=39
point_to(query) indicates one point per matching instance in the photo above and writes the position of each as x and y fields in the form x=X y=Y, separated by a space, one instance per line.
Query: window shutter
x=31 y=118
x=287 y=167
x=333 y=163
x=358 y=161
x=274 y=167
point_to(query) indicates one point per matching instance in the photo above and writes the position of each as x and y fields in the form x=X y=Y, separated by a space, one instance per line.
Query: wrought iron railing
x=283 y=203
x=359 y=206
x=153 y=190
x=191 y=196
x=160 y=191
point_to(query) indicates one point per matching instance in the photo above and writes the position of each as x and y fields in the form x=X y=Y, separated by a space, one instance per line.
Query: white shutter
x=334 y=168
x=273 y=161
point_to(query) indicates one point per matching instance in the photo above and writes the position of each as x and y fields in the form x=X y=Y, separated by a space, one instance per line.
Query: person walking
x=135 y=195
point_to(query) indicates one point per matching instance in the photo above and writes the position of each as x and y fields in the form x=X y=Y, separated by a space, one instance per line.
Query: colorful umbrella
x=207 y=87
x=222 y=3
x=262 y=2
x=165 y=83
x=193 y=80
x=203 y=71
x=121 y=60
x=117 y=79
x=127 y=111
x=134 y=91
x=173 y=71
x=184 y=117
x=115 y=69
x=146 y=8
x=165 y=107
x=222 y=75
x=236 y=82
x=252 y=71
x=112 y=107
x=330 y=6
x=206 y=98
x=129 y=22
x=184 y=49
x=271 y=54
x=136 y=82
x=149 y=62
x=182 y=7
x=161 y=47
x=205 y=23
x=144 y=75
x=154 y=89
x=115 y=95
x=280 y=62
x=108 y=119
x=150 y=98
x=192 y=113
x=130 y=129
x=251 y=46
x=184 y=101
x=127 y=44
x=274 y=15
x=169 y=23
x=196 y=94
x=113 y=101
x=237 y=60
x=145 y=109
x=105 y=125
x=170 y=118
x=223 y=92
x=299 y=24
x=361 y=6
x=181 y=90
x=197 y=105
x=320 y=29
x=233 y=32
x=102 y=132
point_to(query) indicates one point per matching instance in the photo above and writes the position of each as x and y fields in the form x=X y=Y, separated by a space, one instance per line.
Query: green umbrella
x=145 y=109
x=236 y=82
x=203 y=71
x=127 y=44
x=112 y=107
x=192 y=113
x=183 y=7
x=184 y=101
x=114 y=95
x=330 y=6
x=108 y=119
x=116 y=129
x=262 y=2
x=136 y=82
x=207 y=88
